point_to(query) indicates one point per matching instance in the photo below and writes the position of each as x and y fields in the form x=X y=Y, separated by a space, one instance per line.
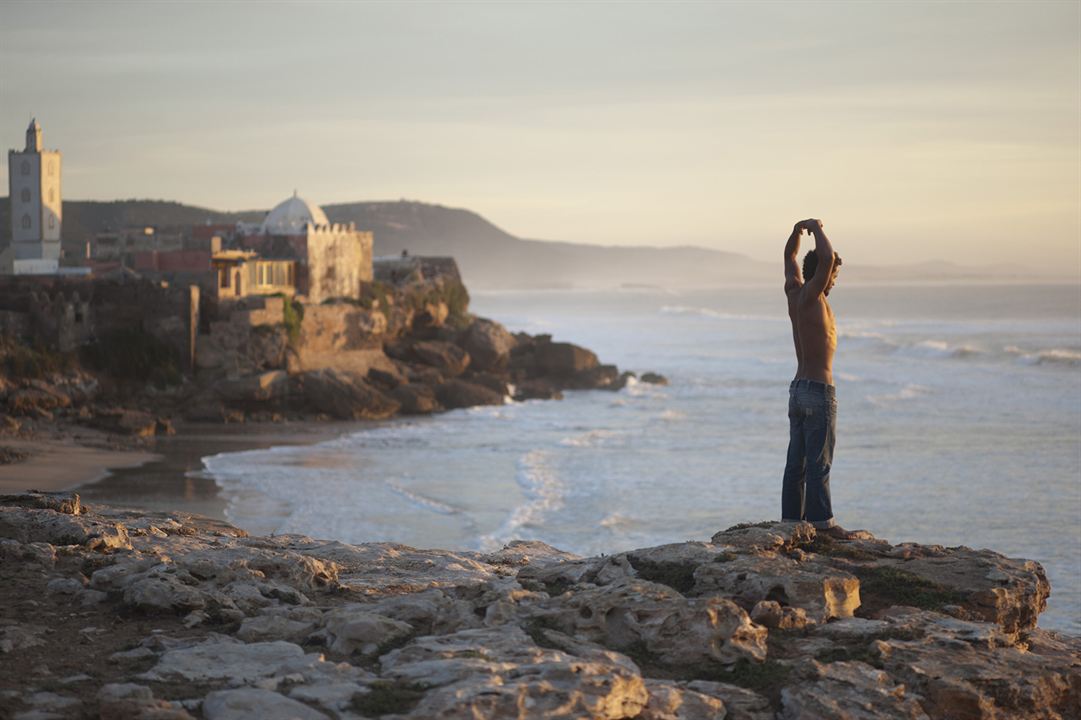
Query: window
x=25 y=195
x=26 y=222
x=223 y=274
x=52 y=222
x=26 y=167
x=52 y=167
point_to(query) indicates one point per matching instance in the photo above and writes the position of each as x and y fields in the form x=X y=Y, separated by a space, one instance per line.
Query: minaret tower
x=34 y=189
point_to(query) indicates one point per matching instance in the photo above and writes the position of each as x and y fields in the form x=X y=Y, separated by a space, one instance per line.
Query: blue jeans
x=812 y=418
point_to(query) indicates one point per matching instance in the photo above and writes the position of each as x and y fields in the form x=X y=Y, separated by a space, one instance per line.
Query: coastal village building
x=34 y=193
x=241 y=273
x=333 y=259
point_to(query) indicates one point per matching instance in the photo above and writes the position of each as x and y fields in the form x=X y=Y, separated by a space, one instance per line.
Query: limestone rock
x=128 y=701
x=652 y=378
x=249 y=703
x=520 y=553
x=232 y=662
x=274 y=627
x=677 y=630
x=54 y=528
x=822 y=591
x=372 y=567
x=355 y=628
x=61 y=502
x=849 y=690
x=497 y=673
x=766 y=536
x=669 y=701
x=38 y=553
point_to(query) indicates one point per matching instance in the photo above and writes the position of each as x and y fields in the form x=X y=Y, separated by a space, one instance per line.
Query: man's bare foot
x=839 y=533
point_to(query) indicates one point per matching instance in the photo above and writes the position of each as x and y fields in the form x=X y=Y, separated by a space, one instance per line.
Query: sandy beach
x=63 y=465
x=161 y=476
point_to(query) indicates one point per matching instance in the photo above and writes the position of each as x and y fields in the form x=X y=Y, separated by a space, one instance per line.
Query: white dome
x=290 y=216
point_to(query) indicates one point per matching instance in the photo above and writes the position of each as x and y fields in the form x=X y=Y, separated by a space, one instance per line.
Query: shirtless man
x=812 y=402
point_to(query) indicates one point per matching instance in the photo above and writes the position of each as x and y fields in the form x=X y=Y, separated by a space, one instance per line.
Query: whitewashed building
x=36 y=211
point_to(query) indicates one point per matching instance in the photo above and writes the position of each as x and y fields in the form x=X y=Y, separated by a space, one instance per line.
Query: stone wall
x=341 y=337
x=242 y=336
x=398 y=270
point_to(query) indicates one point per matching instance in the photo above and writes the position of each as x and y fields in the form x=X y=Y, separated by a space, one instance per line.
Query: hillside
x=489 y=257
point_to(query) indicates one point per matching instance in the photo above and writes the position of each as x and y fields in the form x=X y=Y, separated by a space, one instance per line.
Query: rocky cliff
x=116 y=614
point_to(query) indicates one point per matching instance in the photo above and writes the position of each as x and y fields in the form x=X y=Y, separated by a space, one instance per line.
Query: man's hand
x=812 y=225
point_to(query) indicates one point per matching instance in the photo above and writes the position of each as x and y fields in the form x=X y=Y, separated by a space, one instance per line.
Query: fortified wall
x=64 y=313
x=235 y=337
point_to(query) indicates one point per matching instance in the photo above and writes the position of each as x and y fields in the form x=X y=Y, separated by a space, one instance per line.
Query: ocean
x=959 y=424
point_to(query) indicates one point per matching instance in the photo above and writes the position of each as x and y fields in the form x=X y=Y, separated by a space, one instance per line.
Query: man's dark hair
x=810 y=264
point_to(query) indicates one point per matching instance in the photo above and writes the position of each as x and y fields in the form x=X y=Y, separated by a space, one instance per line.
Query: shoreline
x=63 y=463
x=170 y=480
x=161 y=476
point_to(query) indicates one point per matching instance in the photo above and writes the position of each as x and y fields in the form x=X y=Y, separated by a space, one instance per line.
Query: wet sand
x=170 y=479
x=61 y=464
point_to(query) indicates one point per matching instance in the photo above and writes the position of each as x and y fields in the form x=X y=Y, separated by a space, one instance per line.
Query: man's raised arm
x=824 y=252
x=792 y=279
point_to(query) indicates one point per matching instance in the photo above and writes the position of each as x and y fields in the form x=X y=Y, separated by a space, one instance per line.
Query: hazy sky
x=914 y=130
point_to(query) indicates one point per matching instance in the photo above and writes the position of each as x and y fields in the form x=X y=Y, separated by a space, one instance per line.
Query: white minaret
x=34 y=188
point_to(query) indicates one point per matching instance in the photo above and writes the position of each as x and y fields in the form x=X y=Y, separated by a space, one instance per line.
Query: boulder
x=563 y=358
x=493 y=382
x=254 y=389
x=445 y=357
x=600 y=377
x=537 y=389
x=849 y=690
x=425 y=375
x=389 y=376
x=496 y=673
x=54 y=528
x=67 y=503
x=245 y=703
x=344 y=395
x=127 y=422
x=128 y=701
x=37 y=399
x=356 y=628
x=676 y=630
x=230 y=661
x=489 y=345
x=416 y=399
x=460 y=394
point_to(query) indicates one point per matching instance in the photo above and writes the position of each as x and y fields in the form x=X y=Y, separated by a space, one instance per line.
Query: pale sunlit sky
x=916 y=131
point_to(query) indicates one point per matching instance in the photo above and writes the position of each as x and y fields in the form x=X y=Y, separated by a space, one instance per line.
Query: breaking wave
x=544 y=492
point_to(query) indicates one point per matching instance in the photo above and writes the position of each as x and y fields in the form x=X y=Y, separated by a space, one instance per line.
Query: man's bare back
x=812 y=400
x=814 y=330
